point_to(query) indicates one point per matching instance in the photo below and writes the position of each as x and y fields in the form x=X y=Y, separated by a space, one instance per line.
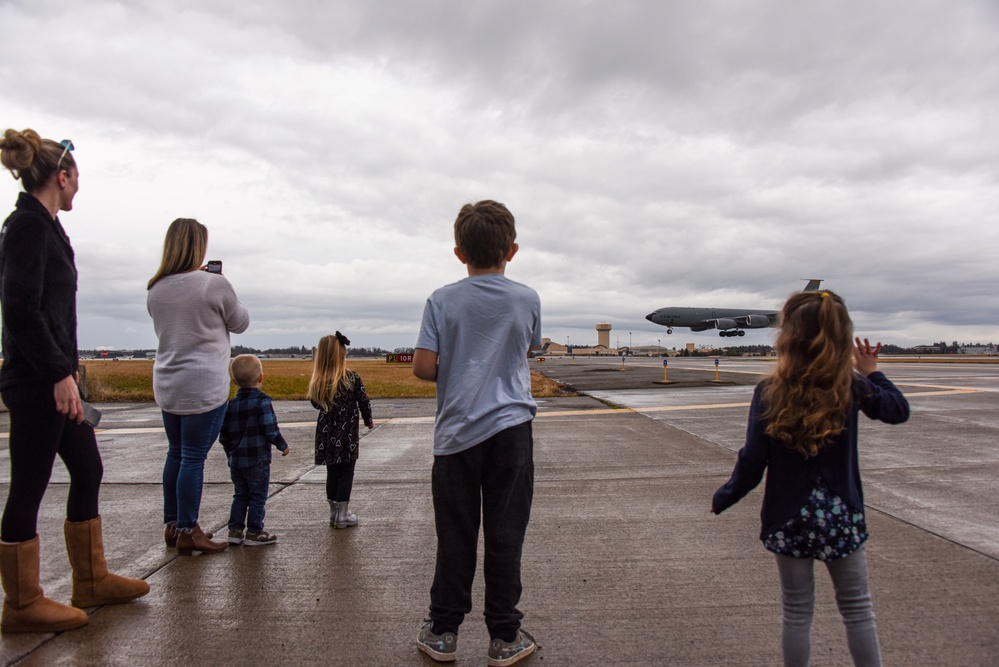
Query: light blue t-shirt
x=481 y=328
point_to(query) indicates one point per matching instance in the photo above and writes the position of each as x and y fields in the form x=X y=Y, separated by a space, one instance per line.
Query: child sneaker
x=235 y=537
x=441 y=648
x=503 y=653
x=259 y=539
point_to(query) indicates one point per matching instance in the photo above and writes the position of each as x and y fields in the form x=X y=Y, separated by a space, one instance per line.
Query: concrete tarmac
x=623 y=563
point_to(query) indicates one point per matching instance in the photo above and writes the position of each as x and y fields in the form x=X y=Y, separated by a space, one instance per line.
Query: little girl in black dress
x=338 y=393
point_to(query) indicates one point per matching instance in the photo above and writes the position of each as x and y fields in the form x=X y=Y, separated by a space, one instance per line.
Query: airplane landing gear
x=726 y=333
x=669 y=330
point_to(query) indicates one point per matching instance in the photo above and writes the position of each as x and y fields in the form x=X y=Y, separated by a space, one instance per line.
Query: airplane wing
x=751 y=321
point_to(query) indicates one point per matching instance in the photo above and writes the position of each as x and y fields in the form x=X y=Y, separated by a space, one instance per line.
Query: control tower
x=603 y=334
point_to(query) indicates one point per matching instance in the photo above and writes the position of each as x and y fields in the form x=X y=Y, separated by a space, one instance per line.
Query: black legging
x=339 y=481
x=37 y=433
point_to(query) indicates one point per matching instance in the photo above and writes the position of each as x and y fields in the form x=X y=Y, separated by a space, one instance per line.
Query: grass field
x=130 y=381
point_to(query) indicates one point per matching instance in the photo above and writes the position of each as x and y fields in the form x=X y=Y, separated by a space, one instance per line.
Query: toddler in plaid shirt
x=248 y=431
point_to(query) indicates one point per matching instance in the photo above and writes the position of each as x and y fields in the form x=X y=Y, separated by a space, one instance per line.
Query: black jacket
x=37 y=297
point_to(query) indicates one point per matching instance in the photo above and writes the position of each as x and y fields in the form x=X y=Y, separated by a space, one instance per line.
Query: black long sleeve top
x=37 y=297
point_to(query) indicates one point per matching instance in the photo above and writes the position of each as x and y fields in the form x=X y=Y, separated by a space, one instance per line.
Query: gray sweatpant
x=853 y=597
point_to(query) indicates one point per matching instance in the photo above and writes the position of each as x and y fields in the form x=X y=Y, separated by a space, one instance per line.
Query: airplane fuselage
x=729 y=321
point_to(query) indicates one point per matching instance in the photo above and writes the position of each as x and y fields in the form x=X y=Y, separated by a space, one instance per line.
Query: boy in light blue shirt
x=474 y=342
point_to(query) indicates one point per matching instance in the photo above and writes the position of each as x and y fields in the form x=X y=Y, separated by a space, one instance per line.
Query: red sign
x=399 y=358
x=104 y=354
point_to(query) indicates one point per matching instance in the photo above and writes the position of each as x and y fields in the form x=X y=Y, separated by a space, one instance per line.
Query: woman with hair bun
x=38 y=385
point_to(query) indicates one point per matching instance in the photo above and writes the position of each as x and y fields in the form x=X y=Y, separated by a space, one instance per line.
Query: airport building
x=601 y=349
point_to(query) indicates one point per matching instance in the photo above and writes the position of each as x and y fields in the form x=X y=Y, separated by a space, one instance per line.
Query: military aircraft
x=728 y=321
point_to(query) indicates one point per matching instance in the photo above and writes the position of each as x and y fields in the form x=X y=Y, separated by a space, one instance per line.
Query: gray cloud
x=653 y=153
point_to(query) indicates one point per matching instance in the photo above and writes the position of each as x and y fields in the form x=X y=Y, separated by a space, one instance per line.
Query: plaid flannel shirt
x=250 y=428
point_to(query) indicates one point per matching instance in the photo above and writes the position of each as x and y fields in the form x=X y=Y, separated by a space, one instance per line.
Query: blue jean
x=189 y=438
x=853 y=597
x=251 y=485
x=492 y=481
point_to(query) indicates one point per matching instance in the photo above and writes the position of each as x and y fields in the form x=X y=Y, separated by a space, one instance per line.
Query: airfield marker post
x=716 y=370
x=665 y=363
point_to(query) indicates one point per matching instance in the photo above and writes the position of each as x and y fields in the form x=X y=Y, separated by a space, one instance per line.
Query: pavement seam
x=930 y=532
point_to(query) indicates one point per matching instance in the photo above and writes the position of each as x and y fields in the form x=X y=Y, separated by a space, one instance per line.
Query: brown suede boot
x=93 y=585
x=196 y=542
x=170 y=535
x=25 y=609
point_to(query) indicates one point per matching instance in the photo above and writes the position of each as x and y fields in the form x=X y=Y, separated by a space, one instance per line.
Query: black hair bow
x=343 y=339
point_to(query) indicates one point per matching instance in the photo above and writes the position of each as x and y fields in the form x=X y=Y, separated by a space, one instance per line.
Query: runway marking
x=941 y=391
x=944 y=389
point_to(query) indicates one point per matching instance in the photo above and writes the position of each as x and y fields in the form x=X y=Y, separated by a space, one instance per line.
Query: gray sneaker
x=259 y=539
x=503 y=653
x=235 y=537
x=441 y=648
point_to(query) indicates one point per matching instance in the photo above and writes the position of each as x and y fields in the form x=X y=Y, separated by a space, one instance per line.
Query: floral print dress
x=337 y=437
x=825 y=528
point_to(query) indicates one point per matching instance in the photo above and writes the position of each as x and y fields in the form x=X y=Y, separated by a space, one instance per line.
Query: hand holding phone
x=91 y=415
x=214 y=266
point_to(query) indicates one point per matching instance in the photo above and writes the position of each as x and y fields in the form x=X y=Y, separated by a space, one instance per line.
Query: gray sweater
x=193 y=314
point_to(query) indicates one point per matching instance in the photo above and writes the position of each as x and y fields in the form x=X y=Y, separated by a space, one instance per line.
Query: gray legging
x=849 y=577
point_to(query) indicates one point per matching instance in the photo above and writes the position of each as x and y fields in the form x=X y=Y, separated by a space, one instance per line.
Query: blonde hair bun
x=18 y=150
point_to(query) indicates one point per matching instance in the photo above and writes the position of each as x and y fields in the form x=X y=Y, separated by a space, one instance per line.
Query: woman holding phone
x=38 y=384
x=193 y=312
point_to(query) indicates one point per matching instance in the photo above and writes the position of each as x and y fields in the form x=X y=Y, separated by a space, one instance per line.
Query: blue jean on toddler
x=251 y=486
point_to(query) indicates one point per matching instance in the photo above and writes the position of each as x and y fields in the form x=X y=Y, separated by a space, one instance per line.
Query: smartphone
x=214 y=266
x=91 y=415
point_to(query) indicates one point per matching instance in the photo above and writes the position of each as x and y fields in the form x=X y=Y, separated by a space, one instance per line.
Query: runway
x=937 y=471
x=623 y=563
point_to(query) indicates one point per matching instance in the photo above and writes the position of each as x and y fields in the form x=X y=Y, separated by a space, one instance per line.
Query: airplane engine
x=755 y=321
x=725 y=323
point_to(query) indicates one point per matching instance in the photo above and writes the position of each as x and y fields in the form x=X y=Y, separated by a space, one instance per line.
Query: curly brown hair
x=809 y=391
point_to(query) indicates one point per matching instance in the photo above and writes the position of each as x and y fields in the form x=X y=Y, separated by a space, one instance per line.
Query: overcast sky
x=654 y=154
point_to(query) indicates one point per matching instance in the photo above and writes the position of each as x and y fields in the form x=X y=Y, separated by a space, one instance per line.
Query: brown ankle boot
x=196 y=542
x=25 y=608
x=170 y=535
x=93 y=585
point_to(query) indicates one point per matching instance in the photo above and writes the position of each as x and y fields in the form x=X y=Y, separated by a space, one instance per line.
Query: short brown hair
x=246 y=368
x=484 y=233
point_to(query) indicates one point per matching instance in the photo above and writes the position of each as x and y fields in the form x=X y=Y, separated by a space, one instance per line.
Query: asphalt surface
x=623 y=563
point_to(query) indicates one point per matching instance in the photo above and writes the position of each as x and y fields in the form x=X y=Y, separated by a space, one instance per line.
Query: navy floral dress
x=826 y=528
x=337 y=437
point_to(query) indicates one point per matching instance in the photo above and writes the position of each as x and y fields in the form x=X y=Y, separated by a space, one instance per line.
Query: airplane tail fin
x=813 y=284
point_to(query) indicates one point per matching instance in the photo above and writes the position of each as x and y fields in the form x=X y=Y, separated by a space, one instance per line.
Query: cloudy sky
x=654 y=154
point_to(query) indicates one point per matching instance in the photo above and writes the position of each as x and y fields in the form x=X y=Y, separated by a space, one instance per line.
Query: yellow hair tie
x=824 y=295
